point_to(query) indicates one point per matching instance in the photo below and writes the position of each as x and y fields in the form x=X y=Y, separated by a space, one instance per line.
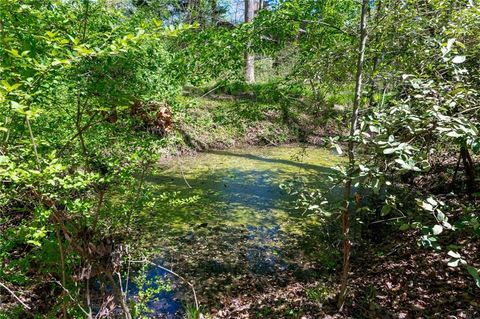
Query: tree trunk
x=376 y=58
x=249 y=55
x=351 y=157
x=249 y=67
x=469 y=167
x=119 y=296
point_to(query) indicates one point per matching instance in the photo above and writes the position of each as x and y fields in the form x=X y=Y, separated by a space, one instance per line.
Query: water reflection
x=239 y=226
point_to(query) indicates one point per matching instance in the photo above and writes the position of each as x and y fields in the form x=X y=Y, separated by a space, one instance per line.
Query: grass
x=191 y=312
x=320 y=293
x=235 y=114
x=221 y=122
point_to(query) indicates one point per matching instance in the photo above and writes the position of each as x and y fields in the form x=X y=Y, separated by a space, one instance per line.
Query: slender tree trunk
x=64 y=276
x=376 y=58
x=249 y=55
x=469 y=167
x=119 y=296
x=351 y=157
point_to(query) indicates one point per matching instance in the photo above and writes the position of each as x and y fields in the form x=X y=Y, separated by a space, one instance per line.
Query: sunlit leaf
x=459 y=59
x=437 y=229
x=475 y=275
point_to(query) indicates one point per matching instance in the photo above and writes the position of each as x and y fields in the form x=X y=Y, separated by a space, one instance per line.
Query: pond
x=224 y=223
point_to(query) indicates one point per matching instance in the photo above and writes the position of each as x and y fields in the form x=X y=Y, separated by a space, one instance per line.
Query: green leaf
x=82 y=50
x=427 y=206
x=447 y=225
x=454 y=254
x=453 y=134
x=459 y=59
x=50 y=34
x=34 y=242
x=385 y=210
x=453 y=262
x=338 y=149
x=9 y=87
x=440 y=216
x=450 y=43
x=474 y=273
x=432 y=201
x=17 y=107
x=437 y=229
x=14 y=53
x=326 y=213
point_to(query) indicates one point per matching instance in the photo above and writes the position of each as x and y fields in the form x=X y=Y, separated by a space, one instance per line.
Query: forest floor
x=398 y=279
x=222 y=121
x=394 y=278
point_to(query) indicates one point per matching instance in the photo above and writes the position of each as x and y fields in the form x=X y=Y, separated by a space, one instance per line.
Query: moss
x=236 y=188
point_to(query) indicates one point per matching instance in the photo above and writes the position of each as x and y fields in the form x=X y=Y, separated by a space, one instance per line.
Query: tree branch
x=15 y=296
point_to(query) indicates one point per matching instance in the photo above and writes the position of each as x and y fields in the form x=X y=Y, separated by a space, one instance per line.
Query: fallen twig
x=387 y=220
x=183 y=175
x=15 y=296
x=210 y=91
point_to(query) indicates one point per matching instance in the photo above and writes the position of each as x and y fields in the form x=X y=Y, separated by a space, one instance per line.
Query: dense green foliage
x=70 y=71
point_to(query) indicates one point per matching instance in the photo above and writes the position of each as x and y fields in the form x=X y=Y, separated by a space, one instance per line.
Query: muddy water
x=221 y=218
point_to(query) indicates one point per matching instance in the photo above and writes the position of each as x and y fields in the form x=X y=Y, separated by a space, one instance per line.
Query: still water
x=222 y=215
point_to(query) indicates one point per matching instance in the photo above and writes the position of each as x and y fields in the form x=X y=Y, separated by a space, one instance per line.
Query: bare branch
x=15 y=296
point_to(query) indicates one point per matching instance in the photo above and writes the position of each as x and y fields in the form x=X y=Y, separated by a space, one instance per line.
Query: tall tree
x=351 y=155
x=249 y=55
